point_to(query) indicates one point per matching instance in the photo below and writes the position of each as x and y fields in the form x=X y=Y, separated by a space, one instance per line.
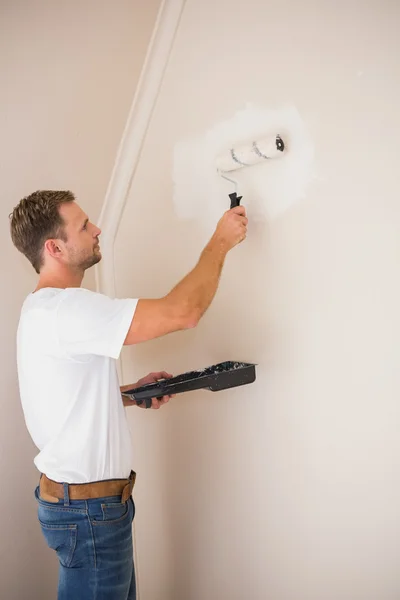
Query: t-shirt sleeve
x=92 y=323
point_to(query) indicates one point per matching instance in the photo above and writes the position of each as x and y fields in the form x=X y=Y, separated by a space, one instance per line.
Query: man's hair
x=36 y=219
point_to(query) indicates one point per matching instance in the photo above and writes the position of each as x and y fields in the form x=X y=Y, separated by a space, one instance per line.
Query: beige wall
x=289 y=488
x=67 y=76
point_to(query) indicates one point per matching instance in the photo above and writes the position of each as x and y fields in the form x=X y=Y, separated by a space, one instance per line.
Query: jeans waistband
x=53 y=491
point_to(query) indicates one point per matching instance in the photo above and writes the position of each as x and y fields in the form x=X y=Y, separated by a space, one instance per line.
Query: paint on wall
x=269 y=189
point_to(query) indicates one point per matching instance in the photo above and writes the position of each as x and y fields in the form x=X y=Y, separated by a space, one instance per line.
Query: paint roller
x=247 y=155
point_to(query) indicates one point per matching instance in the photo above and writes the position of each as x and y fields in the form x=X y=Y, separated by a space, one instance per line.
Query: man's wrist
x=217 y=246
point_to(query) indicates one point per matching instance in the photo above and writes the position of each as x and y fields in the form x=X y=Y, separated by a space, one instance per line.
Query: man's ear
x=53 y=248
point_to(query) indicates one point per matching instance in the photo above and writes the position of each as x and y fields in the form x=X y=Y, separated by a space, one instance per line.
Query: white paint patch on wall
x=269 y=188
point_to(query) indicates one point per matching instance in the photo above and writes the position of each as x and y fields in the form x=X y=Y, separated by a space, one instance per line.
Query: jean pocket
x=112 y=513
x=62 y=539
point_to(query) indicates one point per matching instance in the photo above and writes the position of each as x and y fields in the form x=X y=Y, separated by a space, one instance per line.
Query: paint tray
x=215 y=378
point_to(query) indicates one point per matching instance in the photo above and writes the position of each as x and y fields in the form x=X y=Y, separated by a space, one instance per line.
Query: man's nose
x=97 y=231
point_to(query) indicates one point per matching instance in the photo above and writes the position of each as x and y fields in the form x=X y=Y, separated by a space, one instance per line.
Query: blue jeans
x=93 y=541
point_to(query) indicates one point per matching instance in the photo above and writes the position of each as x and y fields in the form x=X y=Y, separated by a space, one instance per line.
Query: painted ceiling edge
x=133 y=137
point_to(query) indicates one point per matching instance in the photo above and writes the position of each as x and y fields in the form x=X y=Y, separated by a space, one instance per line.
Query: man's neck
x=62 y=281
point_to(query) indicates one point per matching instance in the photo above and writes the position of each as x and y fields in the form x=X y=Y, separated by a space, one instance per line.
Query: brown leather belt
x=52 y=491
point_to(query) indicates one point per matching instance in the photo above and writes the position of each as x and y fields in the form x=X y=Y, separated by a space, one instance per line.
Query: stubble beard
x=82 y=264
x=90 y=261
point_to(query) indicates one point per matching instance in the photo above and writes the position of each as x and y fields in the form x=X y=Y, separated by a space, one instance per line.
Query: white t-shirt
x=67 y=344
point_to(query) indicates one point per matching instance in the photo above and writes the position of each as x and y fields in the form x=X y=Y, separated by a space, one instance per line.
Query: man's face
x=82 y=249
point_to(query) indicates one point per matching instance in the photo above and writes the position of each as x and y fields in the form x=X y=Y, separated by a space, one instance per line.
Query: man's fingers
x=166 y=375
x=161 y=375
x=239 y=210
x=158 y=402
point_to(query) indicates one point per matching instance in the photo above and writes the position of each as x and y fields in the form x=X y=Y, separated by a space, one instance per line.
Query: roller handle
x=235 y=199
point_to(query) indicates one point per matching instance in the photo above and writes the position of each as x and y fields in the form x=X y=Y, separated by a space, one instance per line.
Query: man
x=67 y=343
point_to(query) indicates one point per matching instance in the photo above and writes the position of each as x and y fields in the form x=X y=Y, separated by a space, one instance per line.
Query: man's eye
x=85 y=226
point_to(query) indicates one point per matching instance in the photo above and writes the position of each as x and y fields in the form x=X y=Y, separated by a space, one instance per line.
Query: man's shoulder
x=40 y=297
x=46 y=294
x=49 y=298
